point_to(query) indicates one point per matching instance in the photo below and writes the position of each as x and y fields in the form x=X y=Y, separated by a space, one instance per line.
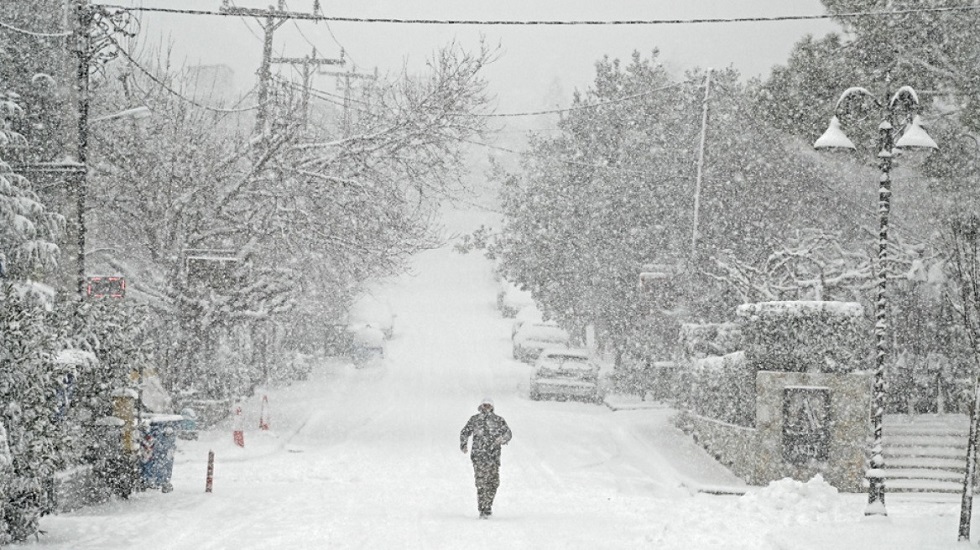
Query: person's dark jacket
x=489 y=432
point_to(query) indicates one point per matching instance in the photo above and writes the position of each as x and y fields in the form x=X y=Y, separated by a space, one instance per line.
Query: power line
x=249 y=27
x=330 y=31
x=301 y=33
x=551 y=111
x=170 y=90
x=318 y=93
x=547 y=22
x=33 y=33
x=580 y=107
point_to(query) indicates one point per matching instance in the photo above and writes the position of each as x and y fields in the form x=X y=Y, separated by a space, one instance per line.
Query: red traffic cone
x=238 y=430
x=263 y=422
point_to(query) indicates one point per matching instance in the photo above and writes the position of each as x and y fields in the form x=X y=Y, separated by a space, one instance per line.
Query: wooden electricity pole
x=308 y=63
x=697 y=183
x=273 y=19
x=347 y=76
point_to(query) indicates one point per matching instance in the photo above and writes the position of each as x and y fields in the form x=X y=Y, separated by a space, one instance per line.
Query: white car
x=531 y=338
x=367 y=344
x=566 y=373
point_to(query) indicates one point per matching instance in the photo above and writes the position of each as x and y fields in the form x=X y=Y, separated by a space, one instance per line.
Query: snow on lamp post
x=913 y=137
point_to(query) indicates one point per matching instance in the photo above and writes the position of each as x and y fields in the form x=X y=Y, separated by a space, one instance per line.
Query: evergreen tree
x=30 y=383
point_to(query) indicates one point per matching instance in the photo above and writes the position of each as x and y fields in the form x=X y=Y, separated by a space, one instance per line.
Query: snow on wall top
x=75 y=357
x=797 y=308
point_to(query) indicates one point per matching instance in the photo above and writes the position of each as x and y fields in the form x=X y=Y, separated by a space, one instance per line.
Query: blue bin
x=158 y=445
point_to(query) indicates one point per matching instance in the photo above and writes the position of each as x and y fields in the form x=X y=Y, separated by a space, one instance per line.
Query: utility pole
x=308 y=63
x=274 y=18
x=347 y=76
x=697 y=183
x=81 y=38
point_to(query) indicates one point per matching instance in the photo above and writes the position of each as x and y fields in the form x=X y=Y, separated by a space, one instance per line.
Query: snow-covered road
x=369 y=458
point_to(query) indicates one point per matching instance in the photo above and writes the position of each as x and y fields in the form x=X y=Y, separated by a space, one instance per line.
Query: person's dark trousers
x=487 y=480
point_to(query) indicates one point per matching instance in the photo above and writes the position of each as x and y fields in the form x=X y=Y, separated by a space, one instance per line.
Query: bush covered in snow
x=722 y=388
x=805 y=336
x=29 y=392
x=59 y=367
x=705 y=339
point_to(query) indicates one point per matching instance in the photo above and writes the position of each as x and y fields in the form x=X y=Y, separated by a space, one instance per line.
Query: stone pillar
x=810 y=423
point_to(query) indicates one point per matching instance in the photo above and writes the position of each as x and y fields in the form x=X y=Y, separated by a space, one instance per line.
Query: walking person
x=489 y=432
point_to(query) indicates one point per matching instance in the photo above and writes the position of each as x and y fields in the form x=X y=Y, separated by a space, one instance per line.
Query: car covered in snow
x=367 y=344
x=531 y=338
x=566 y=373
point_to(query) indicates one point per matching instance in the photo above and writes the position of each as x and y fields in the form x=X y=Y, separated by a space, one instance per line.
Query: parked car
x=367 y=344
x=531 y=338
x=565 y=373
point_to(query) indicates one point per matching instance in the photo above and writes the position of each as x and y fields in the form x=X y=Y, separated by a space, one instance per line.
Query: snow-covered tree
x=962 y=240
x=221 y=230
x=29 y=385
x=37 y=66
x=934 y=51
x=616 y=190
x=28 y=232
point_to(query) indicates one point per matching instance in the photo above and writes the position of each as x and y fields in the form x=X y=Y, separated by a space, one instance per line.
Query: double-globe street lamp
x=913 y=137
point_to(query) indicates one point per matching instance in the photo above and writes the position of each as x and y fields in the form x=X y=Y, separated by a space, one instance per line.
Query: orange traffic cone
x=263 y=422
x=238 y=430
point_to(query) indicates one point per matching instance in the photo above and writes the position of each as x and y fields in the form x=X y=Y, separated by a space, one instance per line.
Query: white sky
x=533 y=57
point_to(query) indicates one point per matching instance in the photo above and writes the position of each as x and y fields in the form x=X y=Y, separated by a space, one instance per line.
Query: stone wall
x=848 y=417
x=759 y=455
x=732 y=445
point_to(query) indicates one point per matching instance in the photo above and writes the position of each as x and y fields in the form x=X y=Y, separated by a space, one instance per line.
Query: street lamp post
x=914 y=137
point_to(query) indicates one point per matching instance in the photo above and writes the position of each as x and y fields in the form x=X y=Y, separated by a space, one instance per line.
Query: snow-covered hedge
x=721 y=388
x=30 y=384
x=805 y=336
x=702 y=340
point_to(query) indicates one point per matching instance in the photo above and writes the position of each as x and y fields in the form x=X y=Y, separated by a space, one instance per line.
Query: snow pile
x=788 y=502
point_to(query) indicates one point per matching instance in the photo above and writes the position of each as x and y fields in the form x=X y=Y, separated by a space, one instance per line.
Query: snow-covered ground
x=369 y=458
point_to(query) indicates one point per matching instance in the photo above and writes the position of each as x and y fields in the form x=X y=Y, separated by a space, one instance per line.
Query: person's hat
x=486 y=401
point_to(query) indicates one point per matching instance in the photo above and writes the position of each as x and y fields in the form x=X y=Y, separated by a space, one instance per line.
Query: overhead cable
x=583 y=106
x=544 y=22
x=170 y=90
